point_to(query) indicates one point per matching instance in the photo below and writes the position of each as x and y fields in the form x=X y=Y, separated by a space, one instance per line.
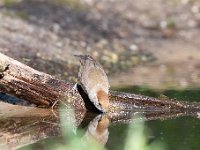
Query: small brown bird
x=94 y=82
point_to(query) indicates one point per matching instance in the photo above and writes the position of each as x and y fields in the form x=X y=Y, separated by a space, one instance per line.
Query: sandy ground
x=152 y=43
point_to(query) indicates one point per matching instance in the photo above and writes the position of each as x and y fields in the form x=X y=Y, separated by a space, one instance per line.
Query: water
x=181 y=133
x=175 y=131
x=177 y=134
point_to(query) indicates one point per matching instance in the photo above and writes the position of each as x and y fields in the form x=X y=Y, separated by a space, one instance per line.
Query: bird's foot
x=74 y=89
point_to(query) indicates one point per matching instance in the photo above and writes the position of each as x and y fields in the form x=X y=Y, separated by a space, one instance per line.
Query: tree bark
x=24 y=82
x=39 y=88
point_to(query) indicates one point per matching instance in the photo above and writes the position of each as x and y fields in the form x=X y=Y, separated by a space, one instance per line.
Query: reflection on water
x=178 y=133
x=98 y=129
x=181 y=133
x=178 y=130
x=111 y=129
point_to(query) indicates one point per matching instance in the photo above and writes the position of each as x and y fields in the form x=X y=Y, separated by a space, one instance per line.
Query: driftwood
x=24 y=82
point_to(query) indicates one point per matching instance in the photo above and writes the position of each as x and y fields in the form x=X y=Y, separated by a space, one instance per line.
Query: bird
x=94 y=81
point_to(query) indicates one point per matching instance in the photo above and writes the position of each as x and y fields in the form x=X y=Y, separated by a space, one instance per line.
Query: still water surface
x=181 y=133
x=176 y=133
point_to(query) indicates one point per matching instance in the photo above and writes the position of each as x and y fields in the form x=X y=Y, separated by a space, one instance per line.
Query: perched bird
x=94 y=82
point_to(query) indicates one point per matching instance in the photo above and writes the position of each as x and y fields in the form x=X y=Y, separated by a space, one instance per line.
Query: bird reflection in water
x=98 y=129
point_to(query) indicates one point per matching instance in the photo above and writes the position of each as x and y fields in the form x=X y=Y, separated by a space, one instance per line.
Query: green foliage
x=137 y=138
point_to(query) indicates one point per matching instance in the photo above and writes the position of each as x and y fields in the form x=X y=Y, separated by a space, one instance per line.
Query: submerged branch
x=24 y=82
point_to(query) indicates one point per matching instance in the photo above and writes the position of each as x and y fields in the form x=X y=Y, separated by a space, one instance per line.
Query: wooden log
x=36 y=87
x=24 y=82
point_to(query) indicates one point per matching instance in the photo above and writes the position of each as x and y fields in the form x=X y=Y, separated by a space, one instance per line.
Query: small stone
x=163 y=24
x=59 y=44
x=144 y=58
x=95 y=54
x=113 y=57
x=134 y=47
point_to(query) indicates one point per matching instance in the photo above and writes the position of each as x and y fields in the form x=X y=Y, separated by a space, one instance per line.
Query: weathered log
x=24 y=82
x=36 y=87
